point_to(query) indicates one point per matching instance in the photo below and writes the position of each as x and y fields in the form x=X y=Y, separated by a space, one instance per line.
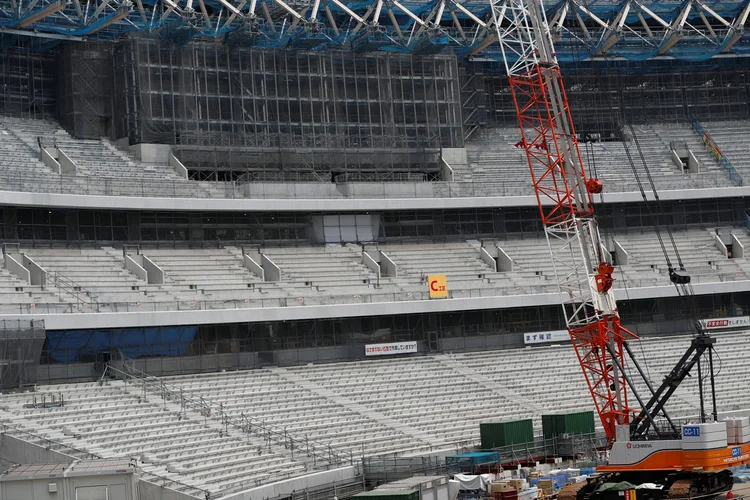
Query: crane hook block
x=594 y=186
x=679 y=276
x=604 y=279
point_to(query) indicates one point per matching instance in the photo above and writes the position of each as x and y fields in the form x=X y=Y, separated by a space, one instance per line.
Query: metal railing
x=713 y=148
x=66 y=285
x=182 y=188
x=322 y=300
x=322 y=457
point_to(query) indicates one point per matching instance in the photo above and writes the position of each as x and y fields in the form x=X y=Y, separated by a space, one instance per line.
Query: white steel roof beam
x=409 y=13
x=593 y=16
x=707 y=24
x=392 y=17
x=346 y=9
x=378 y=11
x=331 y=19
x=235 y=13
x=457 y=24
x=652 y=14
x=645 y=25
x=103 y=5
x=674 y=33
x=359 y=25
x=47 y=11
x=139 y=4
x=470 y=15
x=738 y=27
x=615 y=30
x=170 y=7
x=286 y=7
x=204 y=12
x=713 y=13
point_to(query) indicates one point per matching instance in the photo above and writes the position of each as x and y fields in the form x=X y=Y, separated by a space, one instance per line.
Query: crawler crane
x=648 y=448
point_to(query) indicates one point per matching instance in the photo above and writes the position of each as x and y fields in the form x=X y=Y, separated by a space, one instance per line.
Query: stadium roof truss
x=689 y=30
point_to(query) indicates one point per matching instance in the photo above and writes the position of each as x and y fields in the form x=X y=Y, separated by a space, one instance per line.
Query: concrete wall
x=15 y=267
x=296 y=484
x=676 y=160
x=488 y=258
x=67 y=166
x=456 y=158
x=16 y=451
x=694 y=166
x=622 y=256
x=177 y=166
x=271 y=271
x=738 y=249
x=151 y=153
x=151 y=491
x=504 y=262
x=370 y=263
x=66 y=372
x=37 y=274
x=316 y=197
x=387 y=266
x=134 y=267
x=155 y=273
x=49 y=160
x=253 y=266
x=720 y=246
x=446 y=171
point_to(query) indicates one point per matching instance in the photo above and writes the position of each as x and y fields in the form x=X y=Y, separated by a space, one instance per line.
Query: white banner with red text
x=723 y=323
x=390 y=348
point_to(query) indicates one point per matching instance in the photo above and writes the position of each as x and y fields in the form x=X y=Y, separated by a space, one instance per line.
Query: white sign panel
x=544 y=337
x=390 y=348
x=722 y=323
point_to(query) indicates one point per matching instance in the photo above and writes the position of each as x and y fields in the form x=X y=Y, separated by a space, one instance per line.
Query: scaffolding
x=21 y=343
x=240 y=113
x=27 y=80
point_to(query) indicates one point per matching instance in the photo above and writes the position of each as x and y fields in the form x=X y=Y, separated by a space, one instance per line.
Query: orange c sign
x=438 y=286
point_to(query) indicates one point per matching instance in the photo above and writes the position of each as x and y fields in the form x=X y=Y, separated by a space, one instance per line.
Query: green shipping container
x=577 y=423
x=497 y=434
x=389 y=495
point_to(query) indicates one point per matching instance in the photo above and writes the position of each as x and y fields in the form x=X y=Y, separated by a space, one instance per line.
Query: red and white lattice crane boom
x=564 y=194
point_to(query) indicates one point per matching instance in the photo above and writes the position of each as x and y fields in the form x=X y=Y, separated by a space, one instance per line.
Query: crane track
x=683 y=488
x=570 y=492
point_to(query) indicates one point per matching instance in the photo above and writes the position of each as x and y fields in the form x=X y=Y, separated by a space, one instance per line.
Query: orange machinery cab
x=703 y=448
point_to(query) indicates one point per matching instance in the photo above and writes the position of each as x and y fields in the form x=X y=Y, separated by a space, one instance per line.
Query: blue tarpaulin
x=72 y=345
x=473 y=458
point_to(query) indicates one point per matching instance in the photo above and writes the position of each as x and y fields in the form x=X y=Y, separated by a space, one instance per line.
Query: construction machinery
x=651 y=456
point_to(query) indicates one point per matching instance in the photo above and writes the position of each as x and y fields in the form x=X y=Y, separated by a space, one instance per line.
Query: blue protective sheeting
x=474 y=458
x=74 y=345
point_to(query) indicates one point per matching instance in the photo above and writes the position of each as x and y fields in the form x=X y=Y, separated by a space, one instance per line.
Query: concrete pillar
x=738 y=249
x=387 y=266
x=155 y=273
x=271 y=271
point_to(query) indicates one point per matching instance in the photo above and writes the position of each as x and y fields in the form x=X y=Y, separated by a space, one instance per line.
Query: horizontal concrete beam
x=145 y=318
x=25 y=199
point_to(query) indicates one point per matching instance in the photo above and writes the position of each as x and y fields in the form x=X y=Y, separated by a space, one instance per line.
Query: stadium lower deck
x=225 y=432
